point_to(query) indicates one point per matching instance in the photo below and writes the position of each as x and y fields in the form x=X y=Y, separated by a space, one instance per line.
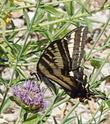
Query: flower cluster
x=29 y=95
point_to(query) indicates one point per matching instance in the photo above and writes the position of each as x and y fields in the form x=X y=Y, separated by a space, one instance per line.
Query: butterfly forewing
x=80 y=38
x=55 y=63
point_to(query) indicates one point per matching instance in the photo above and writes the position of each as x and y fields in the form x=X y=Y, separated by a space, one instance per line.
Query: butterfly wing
x=57 y=61
x=80 y=38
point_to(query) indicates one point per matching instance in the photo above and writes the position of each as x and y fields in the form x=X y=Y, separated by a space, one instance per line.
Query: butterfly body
x=60 y=64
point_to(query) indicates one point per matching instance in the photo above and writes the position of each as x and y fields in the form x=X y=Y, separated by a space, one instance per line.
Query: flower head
x=29 y=95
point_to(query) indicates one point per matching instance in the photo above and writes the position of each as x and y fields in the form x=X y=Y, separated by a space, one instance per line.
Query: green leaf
x=69 y=7
x=40 y=16
x=108 y=102
x=6 y=105
x=32 y=120
x=26 y=18
x=53 y=11
x=96 y=62
x=62 y=31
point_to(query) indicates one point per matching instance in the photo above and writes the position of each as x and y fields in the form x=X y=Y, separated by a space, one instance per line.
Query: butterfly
x=60 y=63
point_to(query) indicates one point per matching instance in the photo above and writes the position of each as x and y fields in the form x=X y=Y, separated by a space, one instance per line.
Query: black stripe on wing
x=65 y=56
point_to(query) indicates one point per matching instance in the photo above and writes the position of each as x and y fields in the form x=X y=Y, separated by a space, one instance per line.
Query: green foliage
x=49 y=23
x=96 y=62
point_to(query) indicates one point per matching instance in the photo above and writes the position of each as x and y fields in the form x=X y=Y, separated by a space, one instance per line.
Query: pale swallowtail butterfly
x=60 y=62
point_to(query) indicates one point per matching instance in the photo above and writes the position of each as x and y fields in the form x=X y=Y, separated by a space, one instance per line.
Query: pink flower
x=29 y=95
